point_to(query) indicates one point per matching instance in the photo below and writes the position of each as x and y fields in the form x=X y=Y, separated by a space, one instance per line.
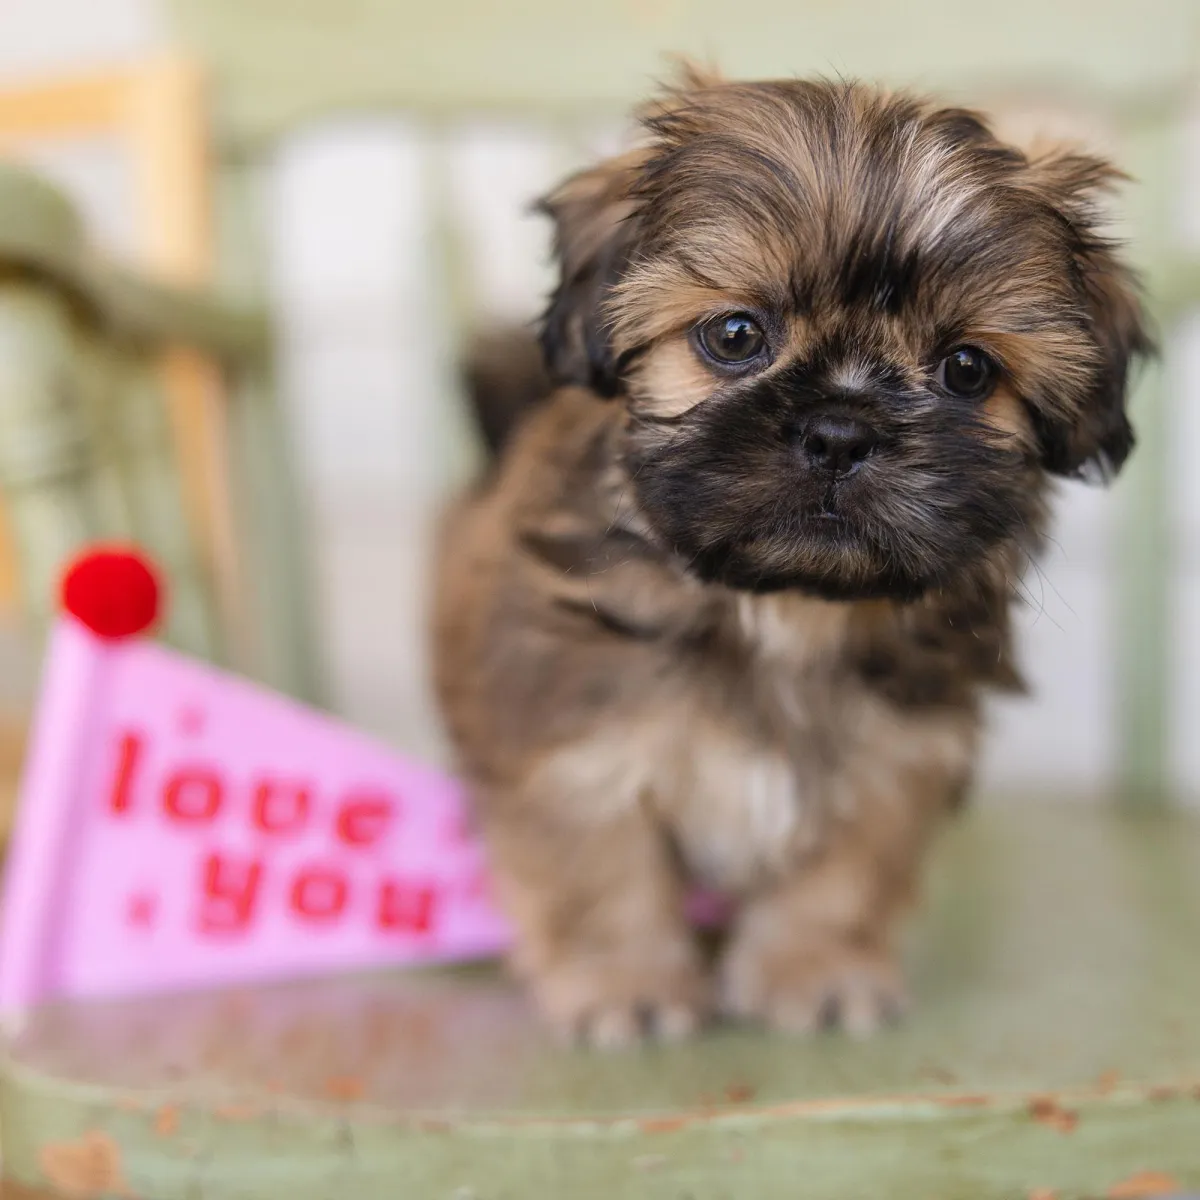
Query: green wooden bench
x=1055 y=1044
x=86 y=448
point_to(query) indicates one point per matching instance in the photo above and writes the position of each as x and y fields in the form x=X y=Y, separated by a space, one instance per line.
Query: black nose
x=837 y=444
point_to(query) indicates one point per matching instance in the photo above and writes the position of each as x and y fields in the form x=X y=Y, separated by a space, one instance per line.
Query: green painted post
x=1143 y=570
x=139 y=422
x=267 y=499
x=47 y=456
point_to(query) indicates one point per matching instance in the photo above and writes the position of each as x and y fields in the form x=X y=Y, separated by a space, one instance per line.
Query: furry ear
x=595 y=236
x=1095 y=437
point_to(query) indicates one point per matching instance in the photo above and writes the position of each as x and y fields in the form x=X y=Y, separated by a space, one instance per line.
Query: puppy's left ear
x=595 y=236
x=1095 y=436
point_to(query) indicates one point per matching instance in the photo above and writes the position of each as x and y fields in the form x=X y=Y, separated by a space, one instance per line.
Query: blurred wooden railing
x=87 y=448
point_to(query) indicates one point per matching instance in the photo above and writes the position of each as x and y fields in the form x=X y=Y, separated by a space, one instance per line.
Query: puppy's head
x=853 y=331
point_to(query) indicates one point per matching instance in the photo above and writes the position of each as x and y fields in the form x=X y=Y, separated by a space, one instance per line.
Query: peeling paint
x=1047 y=1111
x=663 y=1124
x=1144 y=1184
x=86 y=1169
x=166 y=1121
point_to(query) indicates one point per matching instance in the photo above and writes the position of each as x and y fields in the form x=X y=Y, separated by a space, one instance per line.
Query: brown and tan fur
x=660 y=665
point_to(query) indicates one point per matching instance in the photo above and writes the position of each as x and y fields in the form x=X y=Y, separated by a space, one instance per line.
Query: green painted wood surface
x=40 y=232
x=1145 y=574
x=138 y=419
x=86 y=454
x=88 y=451
x=56 y=488
x=276 y=66
x=1055 y=1044
x=267 y=494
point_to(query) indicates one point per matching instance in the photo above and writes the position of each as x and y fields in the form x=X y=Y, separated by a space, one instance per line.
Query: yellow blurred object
x=12 y=752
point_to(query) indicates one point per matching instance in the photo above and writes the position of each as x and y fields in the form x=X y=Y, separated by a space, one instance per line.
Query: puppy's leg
x=598 y=909
x=814 y=946
x=814 y=949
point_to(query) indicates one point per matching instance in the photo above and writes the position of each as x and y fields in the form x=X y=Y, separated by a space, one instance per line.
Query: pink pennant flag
x=180 y=828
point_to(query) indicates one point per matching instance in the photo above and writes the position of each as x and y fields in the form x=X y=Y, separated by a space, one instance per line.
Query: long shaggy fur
x=672 y=648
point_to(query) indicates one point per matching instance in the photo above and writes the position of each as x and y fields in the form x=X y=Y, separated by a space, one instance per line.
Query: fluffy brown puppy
x=723 y=610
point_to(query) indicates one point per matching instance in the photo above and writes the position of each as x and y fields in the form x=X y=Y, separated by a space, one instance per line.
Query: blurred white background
x=352 y=293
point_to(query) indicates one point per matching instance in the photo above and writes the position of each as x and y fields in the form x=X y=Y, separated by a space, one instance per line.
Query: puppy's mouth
x=832 y=509
x=825 y=557
x=744 y=575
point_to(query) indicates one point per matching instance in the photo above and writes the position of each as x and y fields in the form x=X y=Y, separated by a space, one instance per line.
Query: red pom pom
x=114 y=591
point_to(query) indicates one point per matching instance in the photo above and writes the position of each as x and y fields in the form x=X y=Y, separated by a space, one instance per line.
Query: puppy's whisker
x=1045 y=577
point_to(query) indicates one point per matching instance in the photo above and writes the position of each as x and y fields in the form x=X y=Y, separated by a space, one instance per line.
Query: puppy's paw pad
x=814 y=987
x=613 y=1010
x=621 y=1026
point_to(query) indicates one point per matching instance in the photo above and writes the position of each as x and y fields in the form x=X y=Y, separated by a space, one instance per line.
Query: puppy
x=723 y=610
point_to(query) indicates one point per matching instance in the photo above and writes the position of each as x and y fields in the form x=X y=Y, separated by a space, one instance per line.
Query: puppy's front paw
x=610 y=1002
x=810 y=984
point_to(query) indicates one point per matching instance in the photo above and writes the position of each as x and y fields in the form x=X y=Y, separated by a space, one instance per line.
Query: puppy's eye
x=967 y=373
x=734 y=339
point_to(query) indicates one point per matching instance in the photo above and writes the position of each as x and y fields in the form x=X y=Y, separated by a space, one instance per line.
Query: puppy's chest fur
x=756 y=733
x=767 y=737
x=582 y=661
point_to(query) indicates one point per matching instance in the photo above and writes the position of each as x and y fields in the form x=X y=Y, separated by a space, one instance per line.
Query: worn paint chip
x=85 y=1169
x=1047 y=1111
x=166 y=1121
x=1144 y=1183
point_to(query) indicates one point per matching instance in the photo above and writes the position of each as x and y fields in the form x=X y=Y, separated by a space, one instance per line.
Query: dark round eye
x=967 y=373
x=732 y=339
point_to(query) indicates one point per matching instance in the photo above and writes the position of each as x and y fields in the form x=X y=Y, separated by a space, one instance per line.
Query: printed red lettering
x=230 y=892
x=129 y=752
x=319 y=894
x=406 y=907
x=364 y=820
x=280 y=807
x=193 y=795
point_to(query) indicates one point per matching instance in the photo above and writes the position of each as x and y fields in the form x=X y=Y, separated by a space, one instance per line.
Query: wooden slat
x=282 y=648
x=47 y=458
x=83 y=104
x=167 y=129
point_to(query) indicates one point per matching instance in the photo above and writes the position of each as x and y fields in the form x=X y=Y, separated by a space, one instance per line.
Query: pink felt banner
x=180 y=827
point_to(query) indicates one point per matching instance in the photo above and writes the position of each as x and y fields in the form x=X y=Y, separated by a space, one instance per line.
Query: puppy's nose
x=837 y=444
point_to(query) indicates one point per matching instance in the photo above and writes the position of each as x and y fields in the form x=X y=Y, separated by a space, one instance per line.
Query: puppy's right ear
x=595 y=239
